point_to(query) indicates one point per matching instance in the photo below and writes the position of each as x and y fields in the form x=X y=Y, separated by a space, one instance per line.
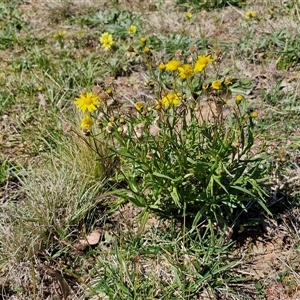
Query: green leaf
x=137 y=200
x=124 y=152
x=175 y=196
x=216 y=179
x=243 y=190
x=162 y=176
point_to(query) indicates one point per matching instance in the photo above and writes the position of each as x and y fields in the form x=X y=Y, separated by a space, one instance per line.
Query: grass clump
x=177 y=269
x=210 y=5
x=11 y=24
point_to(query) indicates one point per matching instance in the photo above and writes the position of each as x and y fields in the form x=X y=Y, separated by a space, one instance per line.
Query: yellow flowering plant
x=60 y=37
x=87 y=101
x=250 y=14
x=106 y=40
x=186 y=152
x=132 y=29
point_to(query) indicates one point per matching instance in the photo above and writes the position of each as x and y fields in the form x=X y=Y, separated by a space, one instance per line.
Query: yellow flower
x=109 y=92
x=139 y=105
x=158 y=106
x=216 y=84
x=254 y=114
x=172 y=65
x=60 y=34
x=251 y=14
x=171 y=99
x=106 y=40
x=143 y=40
x=87 y=122
x=186 y=71
x=238 y=99
x=188 y=15
x=147 y=49
x=209 y=59
x=201 y=62
x=131 y=29
x=162 y=66
x=199 y=67
x=287 y=279
x=87 y=101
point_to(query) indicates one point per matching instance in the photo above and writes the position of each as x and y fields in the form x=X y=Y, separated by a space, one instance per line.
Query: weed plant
x=185 y=153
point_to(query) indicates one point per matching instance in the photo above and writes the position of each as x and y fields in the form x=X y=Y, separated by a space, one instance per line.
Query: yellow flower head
x=87 y=101
x=162 y=66
x=254 y=114
x=173 y=65
x=209 y=59
x=143 y=40
x=131 y=29
x=171 y=99
x=60 y=34
x=238 y=99
x=188 y=15
x=87 y=122
x=251 y=14
x=147 y=49
x=139 y=105
x=201 y=62
x=216 y=85
x=186 y=71
x=106 y=40
x=158 y=106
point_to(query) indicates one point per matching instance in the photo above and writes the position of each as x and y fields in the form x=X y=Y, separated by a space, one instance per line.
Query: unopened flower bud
x=228 y=80
x=147 y=50
x=86 y=132
x=109 y=92
x=178 y=54
x=130 y=49
x=162 y=67
x=109 y=128
x=67 y=128
x=238 y=99
x=99 y=122
x=122 y=120
x=103 y=96
x=254 y=114
x=143 y=40
x=205 y=86
x=193 y=49
x=158 y=106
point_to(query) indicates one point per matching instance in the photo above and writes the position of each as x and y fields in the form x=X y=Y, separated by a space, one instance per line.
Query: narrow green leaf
x=216 y=179
x=162 y=176
x=175 y=196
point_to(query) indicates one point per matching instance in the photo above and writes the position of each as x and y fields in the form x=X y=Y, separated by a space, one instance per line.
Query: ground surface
x=268 y=256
